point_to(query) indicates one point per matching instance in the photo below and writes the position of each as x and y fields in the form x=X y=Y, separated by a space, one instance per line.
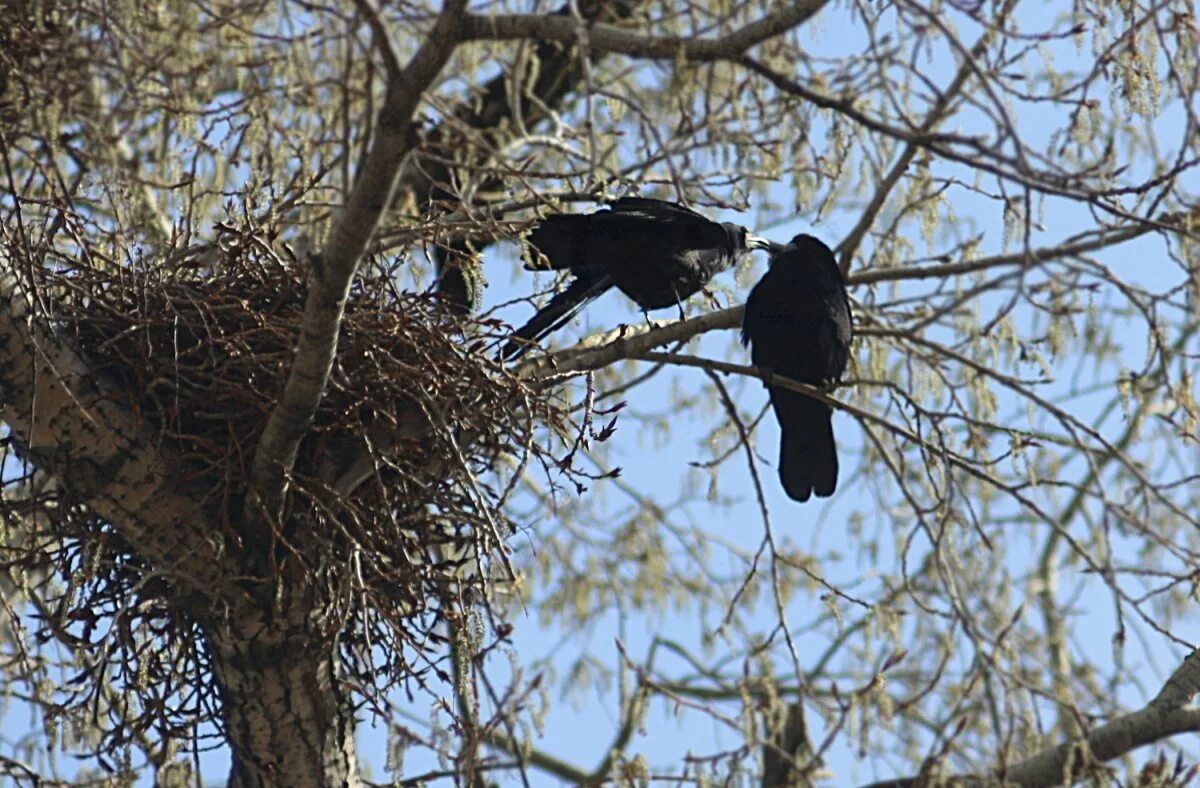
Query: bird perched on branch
x=797 y=323
x=656 y=252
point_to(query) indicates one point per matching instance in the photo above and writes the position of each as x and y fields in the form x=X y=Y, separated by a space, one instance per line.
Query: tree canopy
x=275 y=512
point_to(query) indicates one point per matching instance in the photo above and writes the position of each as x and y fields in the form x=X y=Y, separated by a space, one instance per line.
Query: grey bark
x=288 y=716
x=786 y=750
x=72 y=427
x=334 y=268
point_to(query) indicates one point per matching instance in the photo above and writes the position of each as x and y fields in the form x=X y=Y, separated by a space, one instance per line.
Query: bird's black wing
x=566 y=241
x=657 y=253
x=752 y=315
x=659 y=210
x=671 y=223
x=798 y=323
x=561 y=240
x=777 y=312
x=579 y=242
x=555 y=314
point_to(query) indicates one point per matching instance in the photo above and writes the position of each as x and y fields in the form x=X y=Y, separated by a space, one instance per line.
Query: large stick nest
x=201 y=347
x=415 y=402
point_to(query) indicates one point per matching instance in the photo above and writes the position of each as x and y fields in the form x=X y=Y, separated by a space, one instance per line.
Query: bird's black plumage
x=797 y=324
x=656 y=252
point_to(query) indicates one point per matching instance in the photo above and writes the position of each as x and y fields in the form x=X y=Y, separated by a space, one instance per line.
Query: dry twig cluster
x=389 y=516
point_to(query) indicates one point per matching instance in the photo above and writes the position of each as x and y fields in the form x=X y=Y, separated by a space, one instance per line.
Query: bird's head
x=806 y=253
x=808 y=244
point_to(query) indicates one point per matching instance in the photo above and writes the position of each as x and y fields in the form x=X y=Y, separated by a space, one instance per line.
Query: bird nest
x=396 y=502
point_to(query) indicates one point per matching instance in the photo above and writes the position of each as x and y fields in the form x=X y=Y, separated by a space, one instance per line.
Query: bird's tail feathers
x=808 y=460
x=557 y=312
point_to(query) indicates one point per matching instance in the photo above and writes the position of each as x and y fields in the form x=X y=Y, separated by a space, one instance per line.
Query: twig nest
x=396 y=502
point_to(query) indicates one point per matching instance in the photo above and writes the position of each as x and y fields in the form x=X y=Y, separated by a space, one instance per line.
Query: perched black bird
x=657 y=253
x=797 y=322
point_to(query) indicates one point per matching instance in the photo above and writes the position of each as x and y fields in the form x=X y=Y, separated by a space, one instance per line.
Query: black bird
x=656 y=252
x=797 y=322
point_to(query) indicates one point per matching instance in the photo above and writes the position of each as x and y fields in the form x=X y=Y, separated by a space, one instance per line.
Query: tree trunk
x=288 y=718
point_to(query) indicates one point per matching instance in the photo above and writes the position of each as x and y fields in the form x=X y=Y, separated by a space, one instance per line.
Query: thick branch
x=786 y=746
x=626 y=342
x=549 y=73
x=1168 y=714
x=76 y=431
x=334 y=269
x=608 y=38
x=1107 y=742
x=288 y=715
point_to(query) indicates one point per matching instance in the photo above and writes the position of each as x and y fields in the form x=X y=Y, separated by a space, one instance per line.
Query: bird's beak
x=772 y=247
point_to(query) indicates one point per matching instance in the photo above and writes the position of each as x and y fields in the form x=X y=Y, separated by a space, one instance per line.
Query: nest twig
x=202 y=351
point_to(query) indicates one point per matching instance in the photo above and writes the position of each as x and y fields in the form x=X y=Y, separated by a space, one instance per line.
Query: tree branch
x=1072 y=247
x=937 y=113
x=608 y=38
x=1168 y=714
x=380 y=38
x=786 y=746
x=550 y=72
x=535 y=757
x=334 y=269
x=77 y=431
x=977 y=153
x=625 y=342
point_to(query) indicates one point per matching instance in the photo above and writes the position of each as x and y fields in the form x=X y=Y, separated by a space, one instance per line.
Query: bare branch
x=933 y=118
x=382 y=41
x=609 y=38
x=334 y=269
x=973 y=152
x=625 y=342
x=1070 y=248
x=1168 y=714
